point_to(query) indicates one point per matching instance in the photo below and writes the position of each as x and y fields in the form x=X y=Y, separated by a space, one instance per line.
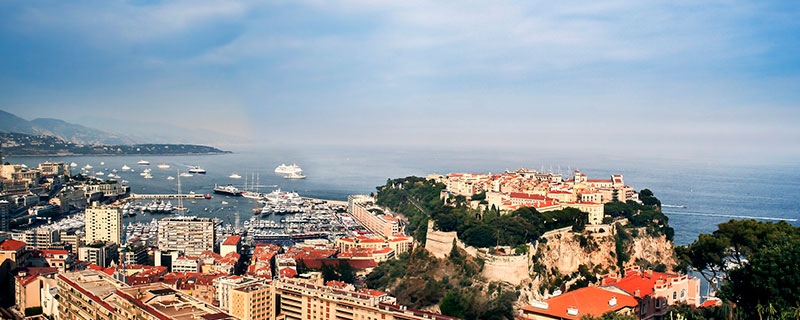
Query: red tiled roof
x=643 y=281
x=592 y=301
x=232 y=241
x=527 y=196
x=11 y=245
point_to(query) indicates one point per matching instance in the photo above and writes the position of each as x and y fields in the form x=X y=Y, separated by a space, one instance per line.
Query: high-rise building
x=190 y=235
x=104 y=224
x=252 y=302
x=5 y=215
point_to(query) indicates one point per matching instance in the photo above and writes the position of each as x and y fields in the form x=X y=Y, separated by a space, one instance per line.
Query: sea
x=698 y=194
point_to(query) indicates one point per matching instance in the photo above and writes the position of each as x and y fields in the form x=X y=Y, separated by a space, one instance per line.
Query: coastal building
x=224 y=285
x=190 y=235
x=91 y=294
x=59 y=259
x=231 y=244
x=656 y=291
x=27 y=286
x=109 y=188
x=40 y=238
x=5 y=216
x=104 y=224
x=87 y=295
x=99 y=253
x=299 y=300
x=587 y=301
x=373 y=217
x=11 y=250
x=53 y=168
x=252 y=302
x=186 y=264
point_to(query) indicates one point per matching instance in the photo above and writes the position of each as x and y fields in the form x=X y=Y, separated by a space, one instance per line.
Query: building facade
x=190 y=235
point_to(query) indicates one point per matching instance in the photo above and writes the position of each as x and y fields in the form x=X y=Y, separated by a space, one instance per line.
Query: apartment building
x=103 y=224
x=189 y=235
x=372 y=217
x=252 y=302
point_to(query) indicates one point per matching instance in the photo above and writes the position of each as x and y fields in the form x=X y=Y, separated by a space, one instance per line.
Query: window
x=675 y=295
x=683 y=293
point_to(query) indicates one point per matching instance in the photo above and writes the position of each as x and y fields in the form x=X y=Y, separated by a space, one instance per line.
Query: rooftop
x=575 y=304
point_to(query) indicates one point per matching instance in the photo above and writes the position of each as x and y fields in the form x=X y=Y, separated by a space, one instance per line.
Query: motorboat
x=163 y=166
x=143 y=163
x=235 y=176
x=197 y=169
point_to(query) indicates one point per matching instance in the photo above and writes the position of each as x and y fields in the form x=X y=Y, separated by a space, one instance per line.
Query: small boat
x=88 y=166
x=170 y=178
x=197 y=169
x=102 y=163
x=113 y=170
x=235 y=176
x=163 y=166
x=73 y=164
x=208 y=196
x=99 y=173
x=186 y=174
x=124 y=181
x=148 y=176
x=224 y=202
x=125 y=167
x=143 y=163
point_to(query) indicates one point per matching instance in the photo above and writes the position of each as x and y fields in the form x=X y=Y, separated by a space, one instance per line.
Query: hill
x=66 y=131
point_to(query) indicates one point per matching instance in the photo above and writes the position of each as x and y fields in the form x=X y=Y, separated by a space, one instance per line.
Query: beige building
x=190 y=235
x=11 y=250
x=363 y=209
x=301 y=300
x=99 y=253
x=94 y=295
x=252 y=302
x=104 y=224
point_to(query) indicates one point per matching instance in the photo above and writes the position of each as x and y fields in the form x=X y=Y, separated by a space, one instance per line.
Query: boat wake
x=729 y=216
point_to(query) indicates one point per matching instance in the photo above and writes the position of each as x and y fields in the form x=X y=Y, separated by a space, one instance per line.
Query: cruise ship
x=143 y=163
x=228 y=190
x=284 y=169
x=197 y=170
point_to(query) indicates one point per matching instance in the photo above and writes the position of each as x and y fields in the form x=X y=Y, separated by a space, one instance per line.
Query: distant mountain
x=159 y=131
x=70 y=132
x=11 y=123
x=79 y=134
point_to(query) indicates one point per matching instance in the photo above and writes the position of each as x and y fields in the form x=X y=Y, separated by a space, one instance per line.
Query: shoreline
x=113 y=154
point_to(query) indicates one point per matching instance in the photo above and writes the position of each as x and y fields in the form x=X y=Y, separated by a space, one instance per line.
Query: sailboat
x=249 y=193
x=180 y=206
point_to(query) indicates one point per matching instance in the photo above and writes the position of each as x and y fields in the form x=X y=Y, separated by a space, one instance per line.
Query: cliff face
x=566 y=251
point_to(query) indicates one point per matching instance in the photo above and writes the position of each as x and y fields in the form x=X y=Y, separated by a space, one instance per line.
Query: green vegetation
x=611 y=315
x=343 y=271
x=22 y=144
x=32 y=311
x=642 y=215
x=758 y=263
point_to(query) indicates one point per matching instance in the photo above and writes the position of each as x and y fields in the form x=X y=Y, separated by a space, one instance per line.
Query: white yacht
x=186 y=174
x=197 y=169
x=170 y=178
x=163 y=166
x=125 y=167
x=143 y=163
x=284 y=169
x=73 y=164
x=99 y=173
x=235 y=176
x=148 y=176
x=294 y=175
x=102 y=163
x=88 y=166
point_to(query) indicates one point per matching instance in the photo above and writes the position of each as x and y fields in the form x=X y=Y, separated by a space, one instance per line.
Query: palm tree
x=760 y=309
x=771 y=310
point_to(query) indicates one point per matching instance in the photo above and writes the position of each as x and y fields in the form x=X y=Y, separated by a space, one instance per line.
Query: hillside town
x=67 y=254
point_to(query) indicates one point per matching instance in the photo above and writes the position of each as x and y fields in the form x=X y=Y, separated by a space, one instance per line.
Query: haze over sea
x=712 y=191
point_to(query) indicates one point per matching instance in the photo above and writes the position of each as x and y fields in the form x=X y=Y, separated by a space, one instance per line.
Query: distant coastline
x=23 y=145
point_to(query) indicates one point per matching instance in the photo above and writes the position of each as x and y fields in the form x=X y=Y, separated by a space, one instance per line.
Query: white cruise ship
x=290 y=169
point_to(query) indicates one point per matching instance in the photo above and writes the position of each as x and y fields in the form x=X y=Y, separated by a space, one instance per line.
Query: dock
x=167 y=196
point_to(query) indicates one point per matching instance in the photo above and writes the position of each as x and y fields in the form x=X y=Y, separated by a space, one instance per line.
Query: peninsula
x=19 y=144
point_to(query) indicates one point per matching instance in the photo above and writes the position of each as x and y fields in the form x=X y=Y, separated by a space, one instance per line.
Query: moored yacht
x=235 y=176
x=197 y=169
x=229 y=190
x=163 y=166
x=125 y=167
x=143 y=163
x=284 y=169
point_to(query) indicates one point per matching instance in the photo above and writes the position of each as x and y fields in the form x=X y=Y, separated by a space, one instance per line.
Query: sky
x=682 y=77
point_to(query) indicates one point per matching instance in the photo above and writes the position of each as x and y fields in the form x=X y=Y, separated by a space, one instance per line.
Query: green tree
x=769 y=283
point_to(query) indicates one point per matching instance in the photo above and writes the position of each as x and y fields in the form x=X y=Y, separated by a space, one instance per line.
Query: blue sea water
x=712 y=191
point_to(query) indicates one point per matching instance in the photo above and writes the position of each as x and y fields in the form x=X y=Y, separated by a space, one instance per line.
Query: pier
x=167 y=196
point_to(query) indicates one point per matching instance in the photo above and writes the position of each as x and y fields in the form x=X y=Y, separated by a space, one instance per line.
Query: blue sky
x=685 y=76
